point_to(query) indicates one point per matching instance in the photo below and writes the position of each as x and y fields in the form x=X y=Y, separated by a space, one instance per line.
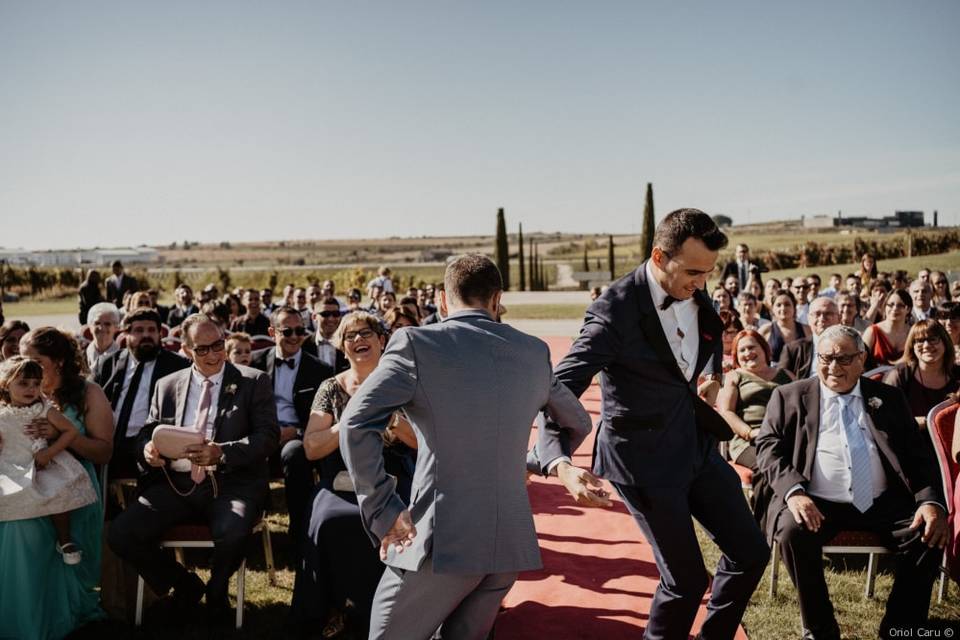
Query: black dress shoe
x=188 y=592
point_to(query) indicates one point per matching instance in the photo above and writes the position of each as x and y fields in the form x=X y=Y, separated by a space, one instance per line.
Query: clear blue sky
x=133 y=122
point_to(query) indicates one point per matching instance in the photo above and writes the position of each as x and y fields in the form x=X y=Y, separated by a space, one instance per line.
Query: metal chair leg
x=138 y=613
x=241 y=591
x=268 y=554
x=871 y=575
x=774 y=568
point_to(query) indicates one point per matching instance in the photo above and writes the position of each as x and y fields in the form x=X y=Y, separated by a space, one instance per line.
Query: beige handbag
x=171 y=442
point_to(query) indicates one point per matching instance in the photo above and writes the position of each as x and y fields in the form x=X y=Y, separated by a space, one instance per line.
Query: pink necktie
x=197 y=474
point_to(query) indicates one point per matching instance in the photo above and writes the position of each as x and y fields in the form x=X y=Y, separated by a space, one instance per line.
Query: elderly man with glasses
x=296 y=377
x=222 y=482
x=841 y=452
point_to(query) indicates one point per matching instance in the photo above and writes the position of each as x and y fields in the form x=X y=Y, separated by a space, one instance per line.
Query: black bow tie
x=292 y=363
x=669 y=300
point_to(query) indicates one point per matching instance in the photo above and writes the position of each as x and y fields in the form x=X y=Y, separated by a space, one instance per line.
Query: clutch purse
x=171 y=442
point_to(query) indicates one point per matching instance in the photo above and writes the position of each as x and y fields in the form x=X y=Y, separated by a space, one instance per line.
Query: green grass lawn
x=40 y=307
x=545 y=311
x=778 y=617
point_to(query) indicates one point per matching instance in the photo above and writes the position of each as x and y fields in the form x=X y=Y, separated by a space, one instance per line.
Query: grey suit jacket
x=245 y=427
x=471 y=388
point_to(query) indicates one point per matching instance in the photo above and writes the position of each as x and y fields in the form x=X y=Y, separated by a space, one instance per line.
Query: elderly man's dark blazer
x=650 y=413
x=309 y=376
x=245 y=427
x=787 y=443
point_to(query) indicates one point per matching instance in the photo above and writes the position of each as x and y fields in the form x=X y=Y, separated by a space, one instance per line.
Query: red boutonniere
x=707 y=337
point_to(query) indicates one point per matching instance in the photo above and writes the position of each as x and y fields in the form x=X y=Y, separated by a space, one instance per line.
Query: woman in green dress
x=41 y=597
x=746 y=391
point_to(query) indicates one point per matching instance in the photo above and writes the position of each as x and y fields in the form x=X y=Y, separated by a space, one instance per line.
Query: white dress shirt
x=93 y=355
x=680 y=323
x=832 y=469
x=141 y=404
x=193 y=400
x=283 y=380
x=326 y=352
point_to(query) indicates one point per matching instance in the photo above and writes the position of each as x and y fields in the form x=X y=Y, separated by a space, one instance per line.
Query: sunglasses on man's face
x=329 y=314
x=216 y=347
x=288 y=332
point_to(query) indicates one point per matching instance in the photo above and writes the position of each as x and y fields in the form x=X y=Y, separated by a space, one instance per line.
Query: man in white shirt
x=922 y=294
x=326 y=317
x=128 y=378
x=843 y=452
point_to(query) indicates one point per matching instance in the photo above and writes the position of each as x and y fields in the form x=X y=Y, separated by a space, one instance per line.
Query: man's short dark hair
x=472 y=278
x=681 y=224
x=285 y=310
x=116 y=263
x=140 y=314
x=745 y=247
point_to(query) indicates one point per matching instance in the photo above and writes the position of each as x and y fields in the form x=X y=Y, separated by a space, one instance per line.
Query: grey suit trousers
x=412 y=605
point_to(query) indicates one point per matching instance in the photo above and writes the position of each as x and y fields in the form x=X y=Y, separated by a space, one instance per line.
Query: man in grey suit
x=235 y=407
x=471 y=388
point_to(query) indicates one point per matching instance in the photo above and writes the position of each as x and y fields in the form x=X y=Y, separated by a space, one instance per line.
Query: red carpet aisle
x=599 y=574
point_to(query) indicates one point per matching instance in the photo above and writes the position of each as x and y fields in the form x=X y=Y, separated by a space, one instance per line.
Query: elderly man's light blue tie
x=861 y=478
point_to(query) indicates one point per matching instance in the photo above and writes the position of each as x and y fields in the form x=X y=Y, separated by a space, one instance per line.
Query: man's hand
x=401 y=535
x=805 y=511
x=205 y=455
x=935 y=531
x=40 y=428
x=287 y=434
x=152 y=456
x=578 y=483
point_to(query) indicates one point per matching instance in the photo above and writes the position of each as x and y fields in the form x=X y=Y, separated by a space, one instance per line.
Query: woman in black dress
x=341 y=568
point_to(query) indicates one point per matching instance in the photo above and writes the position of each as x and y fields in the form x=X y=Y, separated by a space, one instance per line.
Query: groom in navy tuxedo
x=650 y=337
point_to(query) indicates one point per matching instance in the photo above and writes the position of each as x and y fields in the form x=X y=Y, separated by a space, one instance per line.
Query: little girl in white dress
x=37 y=480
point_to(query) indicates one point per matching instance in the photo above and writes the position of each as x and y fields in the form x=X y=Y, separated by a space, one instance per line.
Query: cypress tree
x=646 y=237
x=533 y=277
x=502 y=250
x=543 y=277
x=610 y=257
x=586 y=265
x=523 y=271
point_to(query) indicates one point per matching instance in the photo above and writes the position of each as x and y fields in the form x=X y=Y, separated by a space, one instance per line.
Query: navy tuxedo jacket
x=650 y=413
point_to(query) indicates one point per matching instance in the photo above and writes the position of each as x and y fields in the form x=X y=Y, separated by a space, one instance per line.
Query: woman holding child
x=51 y=571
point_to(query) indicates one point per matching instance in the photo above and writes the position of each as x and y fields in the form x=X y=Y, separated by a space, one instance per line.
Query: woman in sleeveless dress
x=341 y=568
x=40 y=596
x=886 y=339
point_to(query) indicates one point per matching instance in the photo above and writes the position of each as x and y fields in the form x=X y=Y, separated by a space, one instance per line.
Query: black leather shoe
x=189 y=591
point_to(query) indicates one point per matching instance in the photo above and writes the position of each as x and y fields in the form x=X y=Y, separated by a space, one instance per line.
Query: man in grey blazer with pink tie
x=471 y=388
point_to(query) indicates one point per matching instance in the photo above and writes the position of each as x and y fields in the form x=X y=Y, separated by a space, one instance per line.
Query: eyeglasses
x=351 y=336
x=930 y=340
x=940 y=282
x=329 y=314
x=216 y=347
x=288 y=332
x=842 y=359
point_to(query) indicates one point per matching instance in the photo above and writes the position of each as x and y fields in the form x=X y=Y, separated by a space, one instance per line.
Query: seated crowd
x=263 y=385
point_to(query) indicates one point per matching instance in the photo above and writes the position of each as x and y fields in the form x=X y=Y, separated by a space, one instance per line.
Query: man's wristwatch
x=713 y=376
